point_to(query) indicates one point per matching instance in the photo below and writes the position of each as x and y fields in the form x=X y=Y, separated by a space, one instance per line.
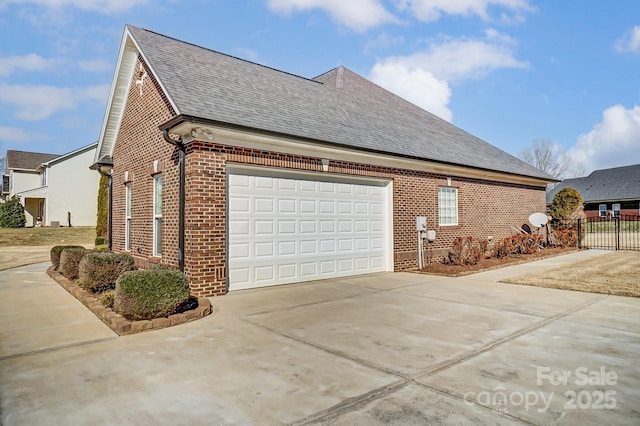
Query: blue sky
x=507 y=71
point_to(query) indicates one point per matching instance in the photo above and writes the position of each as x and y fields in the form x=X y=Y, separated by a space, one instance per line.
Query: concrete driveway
x=377 y=349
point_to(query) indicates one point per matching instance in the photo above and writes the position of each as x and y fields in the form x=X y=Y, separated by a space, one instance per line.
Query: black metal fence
x=607 y=233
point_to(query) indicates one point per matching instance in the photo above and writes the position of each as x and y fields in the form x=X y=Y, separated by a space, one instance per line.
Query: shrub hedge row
x=136 y=295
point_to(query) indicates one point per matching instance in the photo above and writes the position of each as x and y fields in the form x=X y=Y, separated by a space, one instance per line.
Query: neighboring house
x=606 y=192
x=289 y=179
x=54 y=188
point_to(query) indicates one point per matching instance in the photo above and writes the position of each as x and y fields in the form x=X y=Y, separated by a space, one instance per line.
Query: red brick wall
x=138 y=144
x=485 y=208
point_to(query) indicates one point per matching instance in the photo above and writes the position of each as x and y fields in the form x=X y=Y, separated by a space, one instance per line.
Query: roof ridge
x=224 y=54
x=30 y=152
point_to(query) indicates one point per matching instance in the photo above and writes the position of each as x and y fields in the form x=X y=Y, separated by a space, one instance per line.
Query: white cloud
x=40 y=102
x=30 y=62
x=359 y=15
x=415 y=85
x=615 y=141
x=432 y=10
x=104 y=6
x=423 y=77
x=630 y=42
x=14 y=134
x=383 y=41
x=95 y=65
x=455 y=59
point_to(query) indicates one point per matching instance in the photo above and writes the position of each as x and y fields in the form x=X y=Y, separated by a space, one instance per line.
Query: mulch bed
x=192 y=309
x=450 y=270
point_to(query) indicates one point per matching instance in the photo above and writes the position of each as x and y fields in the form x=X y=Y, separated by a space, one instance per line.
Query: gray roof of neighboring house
x=619 y=183
x=338 y=107
x=24 y=160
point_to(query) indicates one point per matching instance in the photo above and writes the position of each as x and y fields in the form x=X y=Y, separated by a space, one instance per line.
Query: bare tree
x=544 y=155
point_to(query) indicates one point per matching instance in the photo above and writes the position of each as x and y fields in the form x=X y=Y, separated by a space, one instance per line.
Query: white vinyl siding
x=127 y=220
x=447 y=206
x=157 y=215
x=286 y=229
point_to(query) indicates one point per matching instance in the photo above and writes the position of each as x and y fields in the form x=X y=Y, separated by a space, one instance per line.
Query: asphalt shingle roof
x=619 y=183
x=339 y=107
x=27 y=160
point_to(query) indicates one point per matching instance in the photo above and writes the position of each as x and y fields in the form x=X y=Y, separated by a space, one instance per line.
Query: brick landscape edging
x=117 y=322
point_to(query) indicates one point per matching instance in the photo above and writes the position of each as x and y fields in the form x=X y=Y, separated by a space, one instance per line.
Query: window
x=602 y=208
x=448 y=206
x=616 y=209
x=157 y=215
x=127 y=216
x=43 y=177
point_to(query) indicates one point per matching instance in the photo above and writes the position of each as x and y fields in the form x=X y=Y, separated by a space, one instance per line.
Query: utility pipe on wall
x=181 y=191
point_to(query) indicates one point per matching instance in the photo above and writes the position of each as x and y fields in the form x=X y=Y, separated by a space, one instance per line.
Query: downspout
x=181 y=209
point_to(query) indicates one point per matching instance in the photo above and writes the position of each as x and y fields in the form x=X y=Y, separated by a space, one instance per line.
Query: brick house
x=247 y=176
x=606 y=192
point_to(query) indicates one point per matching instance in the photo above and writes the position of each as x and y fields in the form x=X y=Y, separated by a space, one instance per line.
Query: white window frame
x=602 y=212
x=447 y=206
x=127 y=217
x=157 y=215
x=613 y=209
x=43 y=177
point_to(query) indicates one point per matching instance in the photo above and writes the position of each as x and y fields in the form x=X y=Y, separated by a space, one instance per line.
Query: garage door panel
x=308 y=247
x=264 y=227
x=307 y=226
x=239 y=204
x=287 y=226
x=285 y=230
x=308 y=207
x=286 y=206
x=286 y=248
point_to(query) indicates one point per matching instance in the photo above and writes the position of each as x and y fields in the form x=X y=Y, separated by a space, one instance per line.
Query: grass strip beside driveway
x=613 y=273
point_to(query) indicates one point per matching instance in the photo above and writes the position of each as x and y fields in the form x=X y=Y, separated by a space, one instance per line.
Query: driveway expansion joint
x=329 y=350
x=350 y=404
x=57 y=348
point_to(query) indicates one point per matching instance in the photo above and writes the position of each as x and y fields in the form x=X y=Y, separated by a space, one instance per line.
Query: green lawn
x=610 y=226
x=46 y=236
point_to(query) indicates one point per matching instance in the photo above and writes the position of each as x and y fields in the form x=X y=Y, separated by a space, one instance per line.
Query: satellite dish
x=538 y=219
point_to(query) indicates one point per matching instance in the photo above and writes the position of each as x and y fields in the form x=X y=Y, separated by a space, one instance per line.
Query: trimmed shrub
x=518 y=244
x=55 y=253
x=102 y=222
x=107 y=298
x=12 y=214
x=144 y=295
x=98 y=272
x=467 y=250
x=102 y=249
x=567 y=204
x=565 y=237
x=69 y=261
x=101 y=241
x=505 y=247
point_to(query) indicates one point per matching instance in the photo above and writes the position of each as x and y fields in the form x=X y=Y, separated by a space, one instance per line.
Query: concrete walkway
x=36 y=314
x=391 y=348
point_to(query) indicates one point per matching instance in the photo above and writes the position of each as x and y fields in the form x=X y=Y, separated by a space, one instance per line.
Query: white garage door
x=292 y=228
